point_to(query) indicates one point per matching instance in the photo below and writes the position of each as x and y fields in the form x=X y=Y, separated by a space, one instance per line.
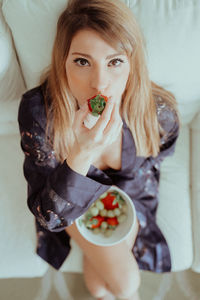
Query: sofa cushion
x=174 y=210
x=8 y=117
x=171 y=29
x=10 y=75
x=17 y=234
x=195 y=179
x=33 y=25
x=11 y=81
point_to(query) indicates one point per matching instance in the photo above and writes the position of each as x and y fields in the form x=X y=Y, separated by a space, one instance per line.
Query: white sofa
x=171 y=30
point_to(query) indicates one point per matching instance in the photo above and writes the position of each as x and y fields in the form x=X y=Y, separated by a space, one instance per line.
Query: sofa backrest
x=11 y=80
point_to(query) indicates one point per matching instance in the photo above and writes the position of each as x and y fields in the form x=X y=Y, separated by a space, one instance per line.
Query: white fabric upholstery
x=11 y=81
x=171 y=29
x=174 y=212
x=17 y=234
x=38 y=18
x=195 y=179
x=10 y=74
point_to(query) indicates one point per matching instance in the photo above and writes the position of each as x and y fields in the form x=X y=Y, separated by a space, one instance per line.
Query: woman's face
x=93 y=66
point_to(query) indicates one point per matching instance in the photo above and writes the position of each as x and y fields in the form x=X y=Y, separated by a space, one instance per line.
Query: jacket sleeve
x=151 y=250
x=169 y=124
x=57 y=195
x=148 y=176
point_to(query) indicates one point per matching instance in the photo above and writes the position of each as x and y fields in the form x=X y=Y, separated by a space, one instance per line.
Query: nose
x=99 y=80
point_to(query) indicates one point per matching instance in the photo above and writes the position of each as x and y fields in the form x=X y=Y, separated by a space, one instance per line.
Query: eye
x=82 y=62
x=116 y=62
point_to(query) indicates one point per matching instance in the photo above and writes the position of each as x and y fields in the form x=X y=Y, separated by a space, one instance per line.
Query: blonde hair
x=117 y=25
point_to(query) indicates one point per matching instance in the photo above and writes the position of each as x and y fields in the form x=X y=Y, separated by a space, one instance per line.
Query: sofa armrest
x=195 y=188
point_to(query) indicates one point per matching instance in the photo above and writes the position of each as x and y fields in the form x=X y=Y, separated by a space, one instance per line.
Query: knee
x=97 y=291
x=126 y=285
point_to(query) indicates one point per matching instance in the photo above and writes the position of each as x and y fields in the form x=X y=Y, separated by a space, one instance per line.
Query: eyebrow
x=87 y=55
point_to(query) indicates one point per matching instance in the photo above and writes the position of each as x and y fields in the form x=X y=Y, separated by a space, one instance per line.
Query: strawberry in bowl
x=109 y=220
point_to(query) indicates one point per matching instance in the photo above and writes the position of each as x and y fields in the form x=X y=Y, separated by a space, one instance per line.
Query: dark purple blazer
x=57 y=195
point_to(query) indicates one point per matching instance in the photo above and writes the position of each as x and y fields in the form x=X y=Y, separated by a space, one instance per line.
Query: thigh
x=95 y=284
x=111 y=261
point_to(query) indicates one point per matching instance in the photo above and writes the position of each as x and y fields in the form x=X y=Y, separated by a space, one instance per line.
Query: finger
x=114 y=121
x=114 y=134
x=80 y=115
x=115 y=125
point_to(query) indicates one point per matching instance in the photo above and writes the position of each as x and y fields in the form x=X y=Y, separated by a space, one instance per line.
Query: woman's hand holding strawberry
x=89 y=144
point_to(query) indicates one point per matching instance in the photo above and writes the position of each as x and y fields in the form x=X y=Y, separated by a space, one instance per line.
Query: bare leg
x=116 y=268
x=94 y=282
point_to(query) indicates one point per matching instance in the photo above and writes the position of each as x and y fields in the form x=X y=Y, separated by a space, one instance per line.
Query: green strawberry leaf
x=94 y=222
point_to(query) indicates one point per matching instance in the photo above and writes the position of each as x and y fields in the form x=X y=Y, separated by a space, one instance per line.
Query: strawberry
x=96 y=221
x=108 y=202
x=112 y=221
x=97 y=104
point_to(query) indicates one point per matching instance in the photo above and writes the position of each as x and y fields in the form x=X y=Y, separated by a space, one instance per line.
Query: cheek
x=72 y=76
x=77 y=84
x=120 y=80
x=75 y=78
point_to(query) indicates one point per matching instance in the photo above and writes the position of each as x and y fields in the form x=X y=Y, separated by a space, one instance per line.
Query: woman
x=98 y=49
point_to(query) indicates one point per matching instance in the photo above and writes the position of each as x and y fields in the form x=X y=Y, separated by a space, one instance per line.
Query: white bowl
x=120 y=233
